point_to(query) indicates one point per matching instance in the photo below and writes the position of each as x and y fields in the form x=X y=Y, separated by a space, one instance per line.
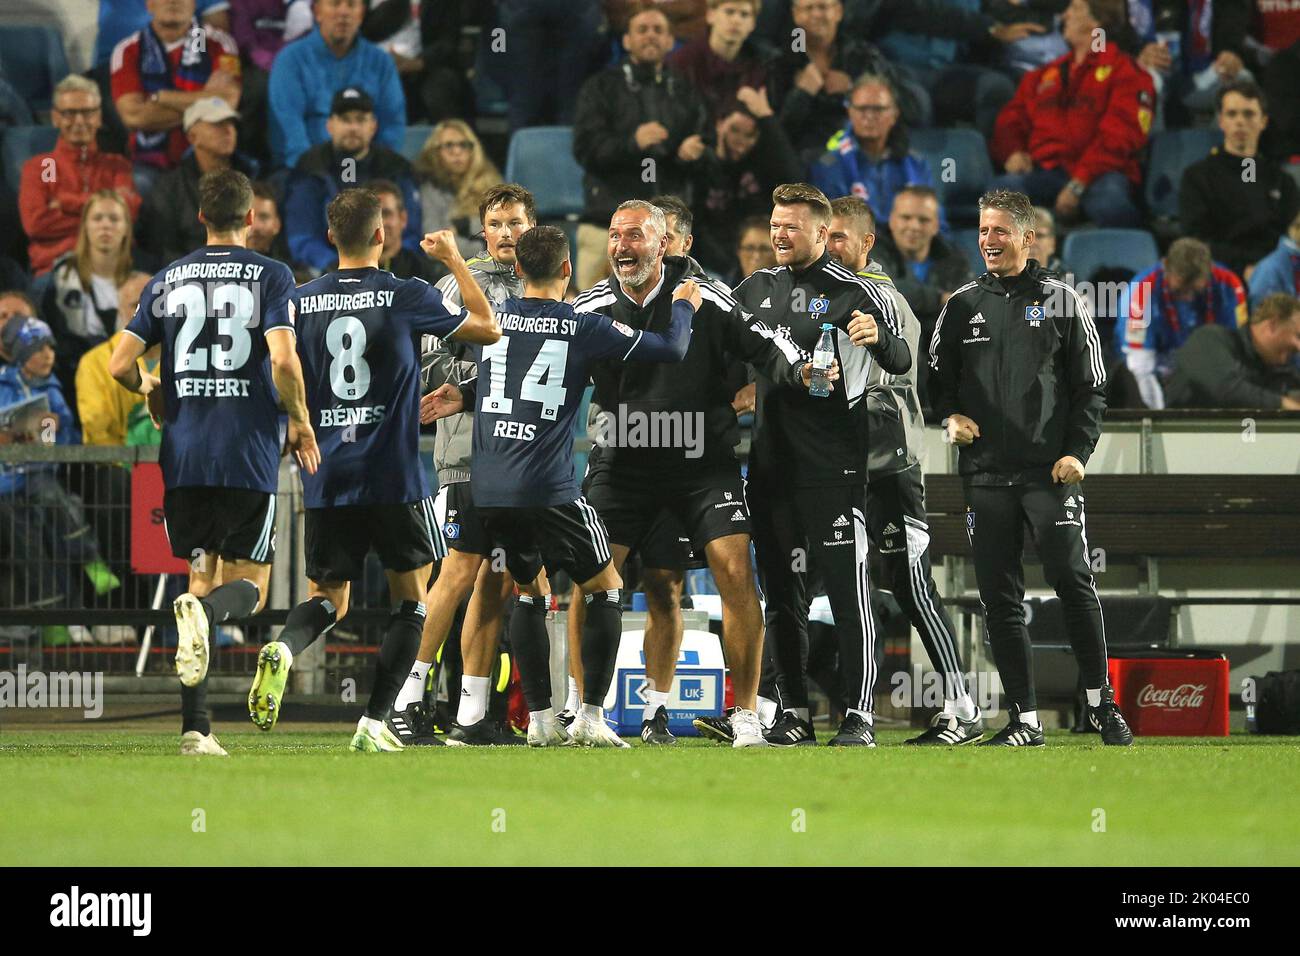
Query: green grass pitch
x=296 y=798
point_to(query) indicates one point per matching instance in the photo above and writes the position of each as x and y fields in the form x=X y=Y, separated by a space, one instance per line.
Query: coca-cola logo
x=1182 y=697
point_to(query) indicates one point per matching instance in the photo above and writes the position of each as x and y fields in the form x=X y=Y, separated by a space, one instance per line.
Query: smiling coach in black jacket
x=1020 y=384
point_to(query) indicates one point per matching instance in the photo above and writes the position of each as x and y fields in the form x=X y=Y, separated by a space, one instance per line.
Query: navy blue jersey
x=357 y=332
x=211 y=311
x=529 y=386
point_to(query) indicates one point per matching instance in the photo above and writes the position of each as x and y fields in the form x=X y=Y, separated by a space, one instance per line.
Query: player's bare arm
x=481 y=327
x=286 y=372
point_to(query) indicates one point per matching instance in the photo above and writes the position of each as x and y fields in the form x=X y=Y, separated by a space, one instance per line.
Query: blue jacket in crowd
x=15 y=388
x=846 y=170
x=1279 y=271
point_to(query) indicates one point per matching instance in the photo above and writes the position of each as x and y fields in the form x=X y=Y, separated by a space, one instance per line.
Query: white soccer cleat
x=746 y=729
x=192 y=644
x=548 y=733
x=371 y=741
x=594 y=732
x=195 y=744
x=112 y=634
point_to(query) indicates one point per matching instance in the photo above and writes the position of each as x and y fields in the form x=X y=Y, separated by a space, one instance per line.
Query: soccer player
x=506 y=211
x=1020 y=379
x=356 y=338
x=686 y=466
x=896 y=518
x=223 y=318
x=807 y=472
x=525 y=400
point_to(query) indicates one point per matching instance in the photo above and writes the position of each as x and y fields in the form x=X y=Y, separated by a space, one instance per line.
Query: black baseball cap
x=351 y=99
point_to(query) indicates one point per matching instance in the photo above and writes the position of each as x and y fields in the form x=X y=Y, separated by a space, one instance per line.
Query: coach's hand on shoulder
x=863 y=330
x=1068 y=470
x=302 y=442
x=961 y=430
x=441 y=245
x=690 y=292
x=443 y=401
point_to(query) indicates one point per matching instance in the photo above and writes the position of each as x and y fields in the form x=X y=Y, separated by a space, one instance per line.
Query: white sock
x=654 y=699
x=593 y=711
x=801 y=713
x=962 y=707
x=1029 y=718
x=767 y=712
x=413 y=688
x=473 y=699
x=1094 y=697
x=541 y=716
x=574 y=700
x=864 y=715
x=372 y=725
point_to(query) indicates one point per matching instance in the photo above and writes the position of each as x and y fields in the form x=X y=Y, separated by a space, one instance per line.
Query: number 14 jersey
x=357 y=337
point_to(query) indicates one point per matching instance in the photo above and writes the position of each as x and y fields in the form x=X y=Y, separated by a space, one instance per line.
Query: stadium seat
x=1088 y=250
x=968 y=241
x=541 y=159
x=1172 y=151
x=34 y=62
x=960 y=182
x=20 y=144
x=414 y=141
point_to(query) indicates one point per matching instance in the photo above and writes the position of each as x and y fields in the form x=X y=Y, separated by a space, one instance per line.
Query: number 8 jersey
x=357 y=337
x=211 y=311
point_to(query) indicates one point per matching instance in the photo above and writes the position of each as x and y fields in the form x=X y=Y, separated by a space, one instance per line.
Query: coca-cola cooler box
x=1172 y=696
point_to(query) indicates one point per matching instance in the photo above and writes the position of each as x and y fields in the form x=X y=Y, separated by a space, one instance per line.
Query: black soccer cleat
x=717 y=729
x=413 y=726
x=1108 y=721
x=1016 y=734
x=949 y=730
x=655 y=730
x=790 y=731
x=854 y=732
x=486 y=733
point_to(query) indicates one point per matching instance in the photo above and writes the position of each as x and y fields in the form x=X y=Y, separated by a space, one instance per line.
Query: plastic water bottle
x=823 y=359
x=1172 y=41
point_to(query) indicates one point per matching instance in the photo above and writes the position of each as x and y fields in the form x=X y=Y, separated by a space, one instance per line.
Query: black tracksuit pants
x=792 y=528
x=996 y=516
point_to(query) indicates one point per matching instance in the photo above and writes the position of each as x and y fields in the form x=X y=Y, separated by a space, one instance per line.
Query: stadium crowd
x=713 y=101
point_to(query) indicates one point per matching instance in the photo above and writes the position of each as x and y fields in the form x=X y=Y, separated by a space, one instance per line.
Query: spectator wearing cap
x=1236 y=200
x=15 y=306
x=868 y=157
x=169 y=223
x=1279 y=271
x=1246 y=367
x=267 y=233
x=309 y=72
x=158 y=72
x=396 y=258
x=728 y=59
x=56 y=185
x=30 y=372
x=1164 y=305
x=1071 y=136
x=747 y=156
x=350 y=157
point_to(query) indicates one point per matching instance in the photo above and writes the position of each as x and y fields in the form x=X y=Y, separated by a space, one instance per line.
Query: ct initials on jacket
x=1090 y=119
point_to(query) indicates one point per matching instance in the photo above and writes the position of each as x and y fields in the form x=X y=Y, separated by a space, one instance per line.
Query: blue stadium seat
x=34 y=62
x=1088 y=250
x=1172 y=151
x=541 y=159
x=968 y=174
x=20 y=144
x=968 y=241
x=414 y=141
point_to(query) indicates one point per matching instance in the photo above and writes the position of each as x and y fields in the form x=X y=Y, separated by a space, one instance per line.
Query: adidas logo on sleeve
x=891 y=528
x=841 y=522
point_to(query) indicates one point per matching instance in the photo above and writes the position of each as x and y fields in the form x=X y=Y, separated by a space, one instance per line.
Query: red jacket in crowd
x=1090 y=119
x=52 y=195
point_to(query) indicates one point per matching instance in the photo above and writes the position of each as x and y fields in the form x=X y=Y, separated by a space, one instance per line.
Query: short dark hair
x=1189 y=259
x=855 y=210
x=353 y=218
x=264 y=190
x=386 y=187
x=20 y=294
x=752 y=223
x=541 y=253
x=225 y=196
x=507 y=194
x=1111 y=15
x=676 y=206
x=1278 y=307
x=1014 y=204
x=802 y=194
x=1247 y=88
x=921 y=191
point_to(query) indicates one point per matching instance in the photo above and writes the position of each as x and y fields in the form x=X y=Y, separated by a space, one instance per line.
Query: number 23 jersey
x=358 y=331
x=211 y=311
